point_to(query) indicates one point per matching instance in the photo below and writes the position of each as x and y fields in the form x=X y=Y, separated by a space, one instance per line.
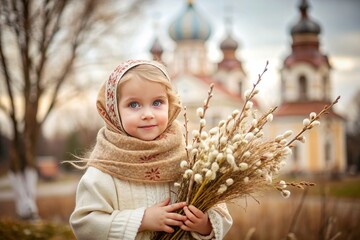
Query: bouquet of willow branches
x=234 y=160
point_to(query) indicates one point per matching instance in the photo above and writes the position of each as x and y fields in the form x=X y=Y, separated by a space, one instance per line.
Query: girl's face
x=143 y=107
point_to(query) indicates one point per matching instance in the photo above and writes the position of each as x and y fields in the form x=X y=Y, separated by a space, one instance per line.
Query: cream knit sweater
x=109 y=208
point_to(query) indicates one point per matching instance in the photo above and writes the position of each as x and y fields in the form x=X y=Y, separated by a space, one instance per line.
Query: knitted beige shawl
x=129 y=158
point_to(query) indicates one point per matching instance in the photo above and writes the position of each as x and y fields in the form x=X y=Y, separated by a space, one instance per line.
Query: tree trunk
x=23 y=178
x=24 y=184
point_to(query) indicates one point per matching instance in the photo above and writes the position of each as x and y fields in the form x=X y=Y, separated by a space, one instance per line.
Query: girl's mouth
x=147 y=126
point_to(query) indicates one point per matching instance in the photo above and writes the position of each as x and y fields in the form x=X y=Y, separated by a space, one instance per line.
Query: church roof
x=305 y=24
x=207 y=81
x=230 y=64
x=303 y=109
x=311 y=56
x=305 y=46
x=190 y=25
x=229 y=43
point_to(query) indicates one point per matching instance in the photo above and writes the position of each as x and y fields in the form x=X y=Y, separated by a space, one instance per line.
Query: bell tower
x=306 y=88
x=305 y=76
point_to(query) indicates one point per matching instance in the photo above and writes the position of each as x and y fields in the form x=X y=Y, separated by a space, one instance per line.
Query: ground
x=331 y=208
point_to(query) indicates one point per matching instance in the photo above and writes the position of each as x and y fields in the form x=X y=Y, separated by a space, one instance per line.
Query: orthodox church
x=305 y=86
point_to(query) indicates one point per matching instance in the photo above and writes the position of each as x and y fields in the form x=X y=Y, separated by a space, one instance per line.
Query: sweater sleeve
x=221 y=222
x=95 y=215
x=126 y=224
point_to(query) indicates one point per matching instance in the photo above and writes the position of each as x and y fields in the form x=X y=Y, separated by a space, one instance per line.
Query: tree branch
x=8 y=80
x=43 y=46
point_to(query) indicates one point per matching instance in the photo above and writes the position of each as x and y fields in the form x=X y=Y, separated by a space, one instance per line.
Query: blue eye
x=134 y=105
x=157 y=103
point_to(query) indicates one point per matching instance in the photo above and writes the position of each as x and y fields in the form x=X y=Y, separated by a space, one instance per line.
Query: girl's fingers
x=196 y=211
x=176 y=216
x=189 y=224
x=172 y=222
x=189 y=214
x=185 y=228
x=163 y=203
x=175 y=206
x=167 y=229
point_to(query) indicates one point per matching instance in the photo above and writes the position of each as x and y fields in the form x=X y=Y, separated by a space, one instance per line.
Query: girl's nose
x=147 y=114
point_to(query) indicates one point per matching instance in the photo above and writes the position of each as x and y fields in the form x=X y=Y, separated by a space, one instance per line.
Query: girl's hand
x=161 y=217
x=197 y=221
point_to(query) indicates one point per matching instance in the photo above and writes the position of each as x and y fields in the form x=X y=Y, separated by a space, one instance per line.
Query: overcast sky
x=262 y=28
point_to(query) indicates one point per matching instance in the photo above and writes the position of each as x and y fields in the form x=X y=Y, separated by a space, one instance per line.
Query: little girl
x=126 y=190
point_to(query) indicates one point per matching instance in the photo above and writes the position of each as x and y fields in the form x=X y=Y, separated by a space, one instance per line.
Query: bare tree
x=40 y=43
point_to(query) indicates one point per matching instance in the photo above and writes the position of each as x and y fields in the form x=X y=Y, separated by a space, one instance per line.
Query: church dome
x=190 y=25
x=305 y=24
x=156 y=47
x=229 y=43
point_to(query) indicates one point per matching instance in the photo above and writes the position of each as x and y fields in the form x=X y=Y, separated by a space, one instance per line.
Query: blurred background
x=56 y=54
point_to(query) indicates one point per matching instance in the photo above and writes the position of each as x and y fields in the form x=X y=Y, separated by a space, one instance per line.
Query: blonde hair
x=154 y=74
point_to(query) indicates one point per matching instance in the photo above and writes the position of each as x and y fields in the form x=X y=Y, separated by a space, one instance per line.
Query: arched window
x=302 y=88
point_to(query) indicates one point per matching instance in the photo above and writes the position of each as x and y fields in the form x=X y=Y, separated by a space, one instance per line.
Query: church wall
x=340 y=144
x=310 y=156
x=314 y=155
